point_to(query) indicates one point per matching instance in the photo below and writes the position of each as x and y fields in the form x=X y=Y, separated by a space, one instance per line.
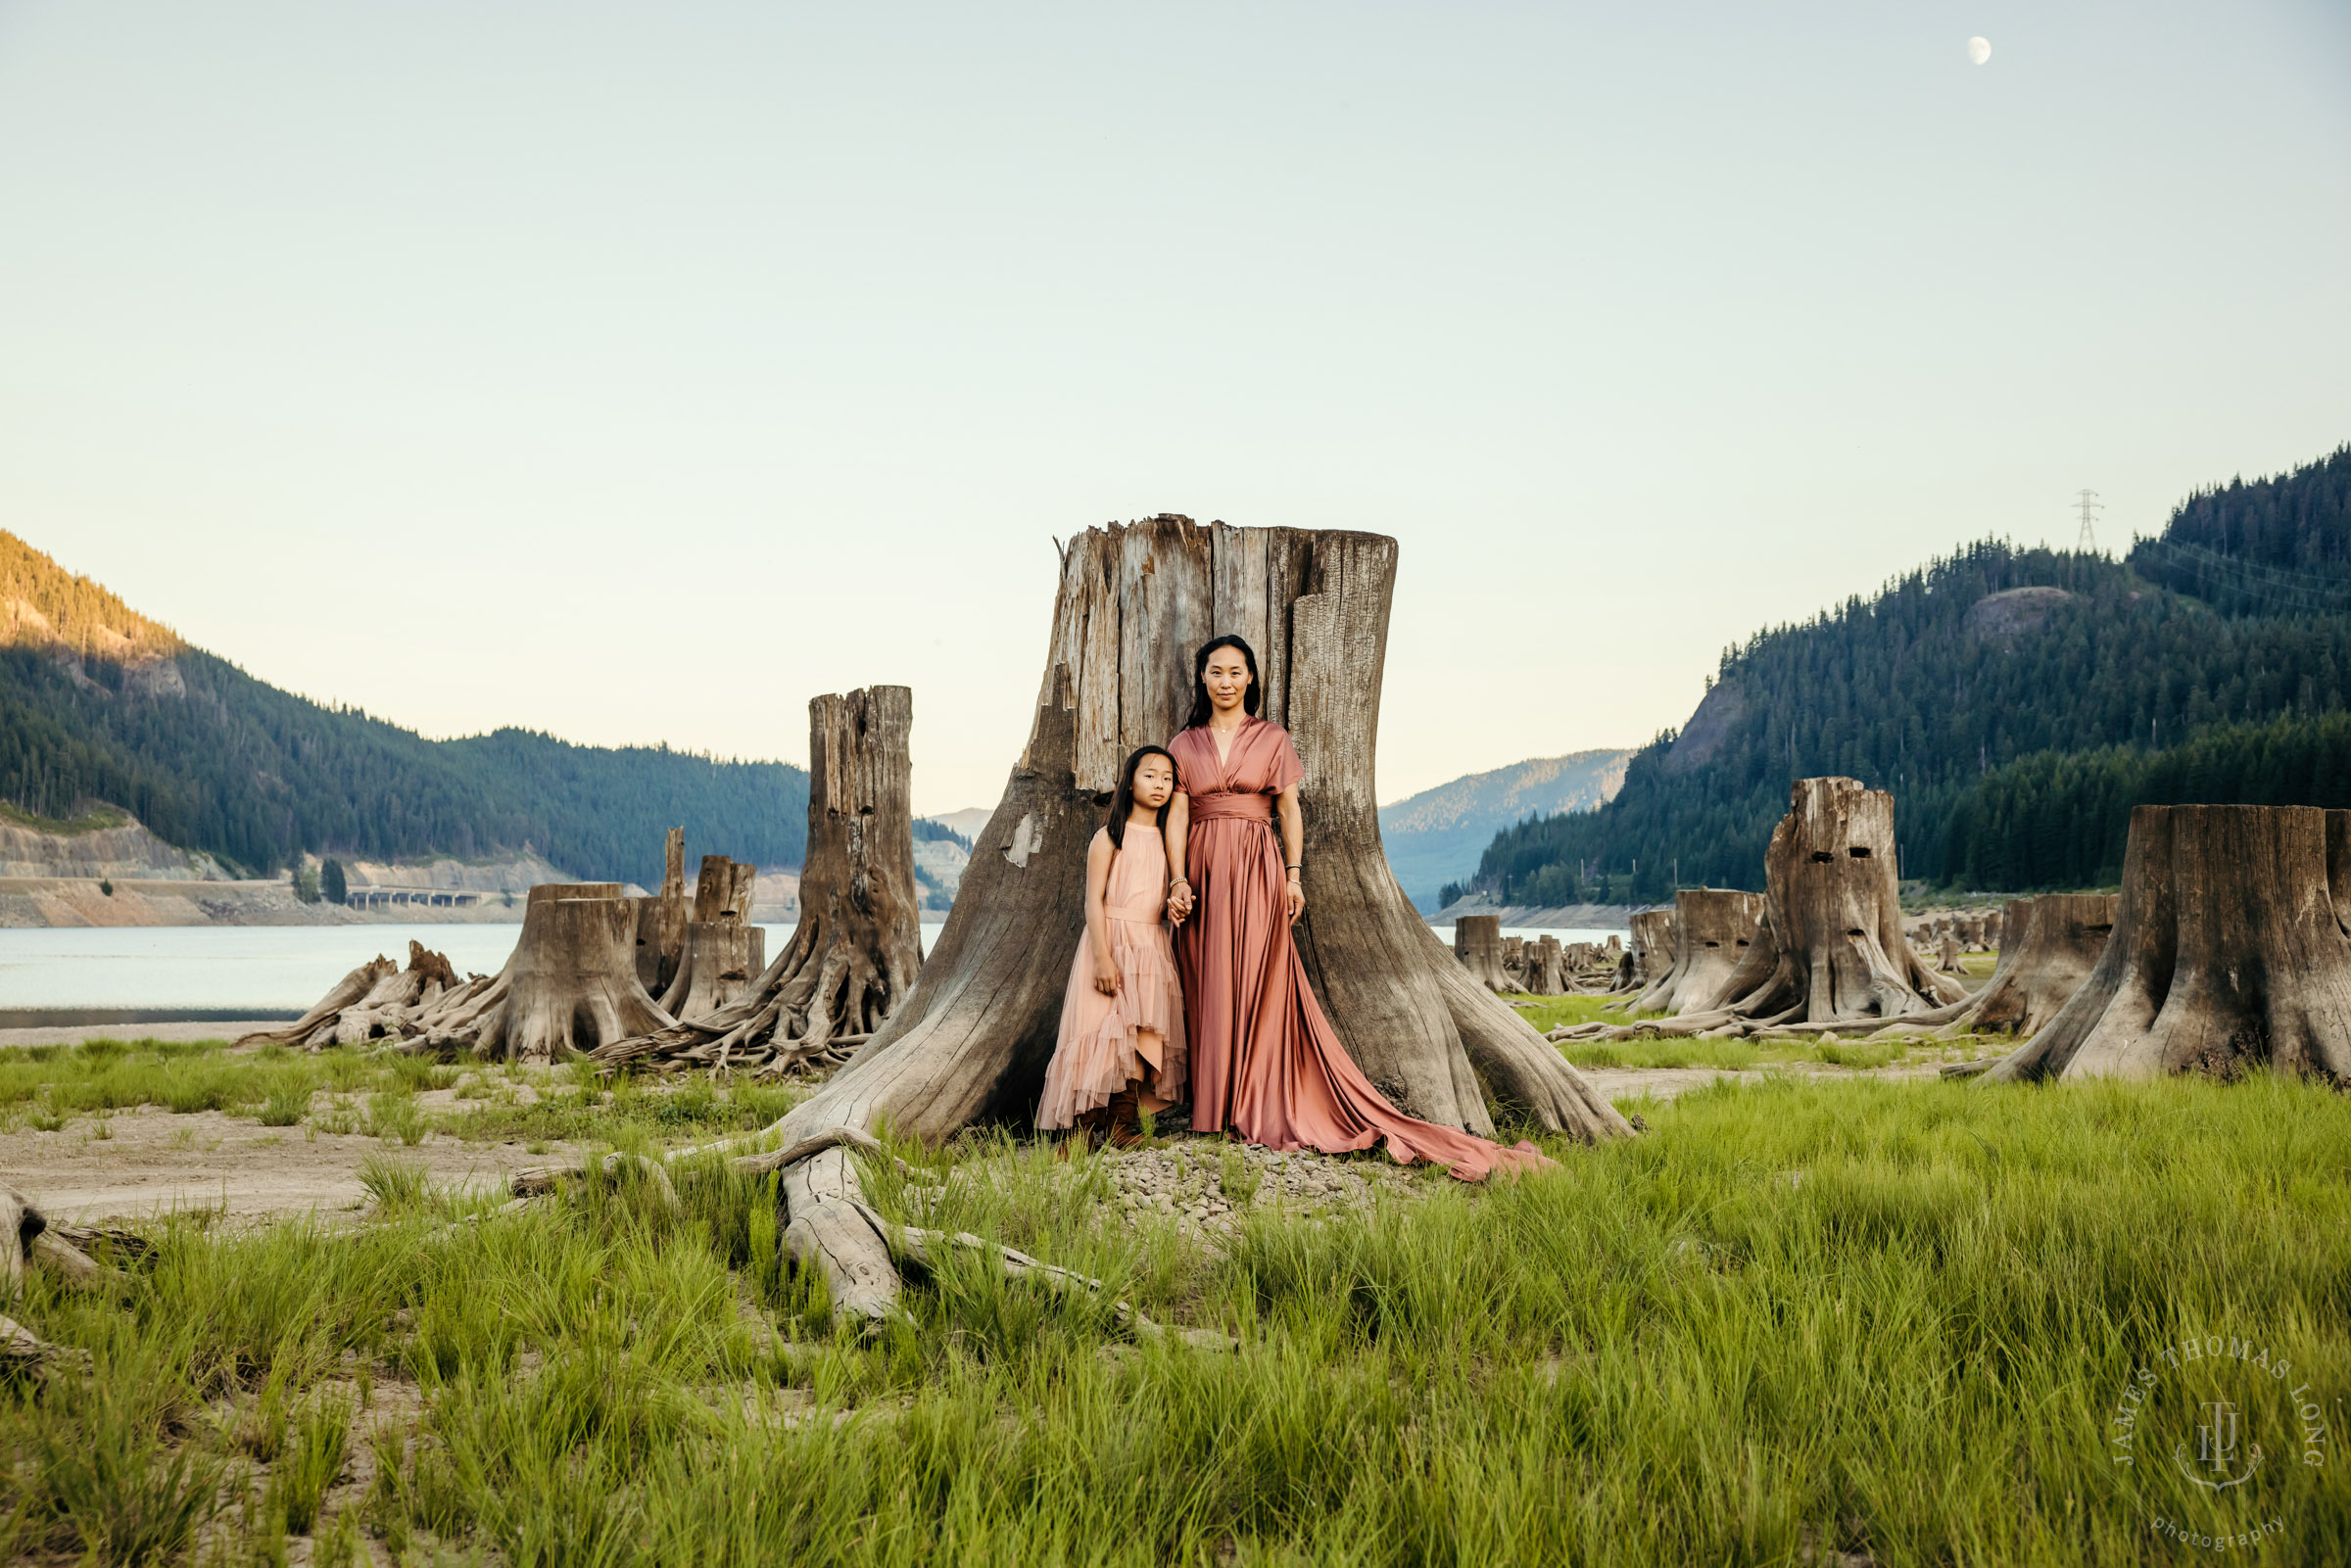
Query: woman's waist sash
x=1143 y=911
x=1220 y=807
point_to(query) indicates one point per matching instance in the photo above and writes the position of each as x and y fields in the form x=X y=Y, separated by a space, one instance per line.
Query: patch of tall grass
x=1796 y=1315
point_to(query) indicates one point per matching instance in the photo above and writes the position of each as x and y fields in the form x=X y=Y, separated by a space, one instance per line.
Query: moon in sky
x=1979 y=50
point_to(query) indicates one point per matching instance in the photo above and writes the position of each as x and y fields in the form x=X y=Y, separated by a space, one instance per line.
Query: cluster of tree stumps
x=859 y=946
x=2227 y=950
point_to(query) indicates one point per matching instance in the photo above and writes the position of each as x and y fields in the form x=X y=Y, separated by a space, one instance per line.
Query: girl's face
x=1154 y=783
x=1226 y=679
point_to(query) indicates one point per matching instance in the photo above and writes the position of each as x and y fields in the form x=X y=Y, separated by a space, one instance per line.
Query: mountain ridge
x=101 y=704
x=1973 y=664
x=1433 y=837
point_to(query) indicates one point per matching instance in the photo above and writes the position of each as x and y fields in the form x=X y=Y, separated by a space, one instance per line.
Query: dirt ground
x=1664 y=1083
x=158 y=1161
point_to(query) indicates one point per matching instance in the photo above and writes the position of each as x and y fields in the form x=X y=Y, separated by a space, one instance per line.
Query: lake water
x=217 y=968
x=266 y=968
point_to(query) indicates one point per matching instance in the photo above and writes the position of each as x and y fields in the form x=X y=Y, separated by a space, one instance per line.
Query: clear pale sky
x=635 y=372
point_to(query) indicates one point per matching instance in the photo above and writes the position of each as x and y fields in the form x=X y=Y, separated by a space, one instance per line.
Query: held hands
x=1179 y=900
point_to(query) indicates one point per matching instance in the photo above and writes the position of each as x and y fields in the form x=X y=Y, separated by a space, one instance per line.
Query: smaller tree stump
x=1715 y=929
x=661 y=919
x=1477 y=943
x=1654 y=940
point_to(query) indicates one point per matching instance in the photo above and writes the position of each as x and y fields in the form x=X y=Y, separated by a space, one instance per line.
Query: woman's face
x=1154 y=783
x=1227 y=678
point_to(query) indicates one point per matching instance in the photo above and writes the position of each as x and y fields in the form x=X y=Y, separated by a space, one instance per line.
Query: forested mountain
x=97 y=703
x=1962 y=687
x=1435 y=836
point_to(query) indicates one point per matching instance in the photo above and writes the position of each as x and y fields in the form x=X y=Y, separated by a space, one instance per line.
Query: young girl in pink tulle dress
x=1121 y=1050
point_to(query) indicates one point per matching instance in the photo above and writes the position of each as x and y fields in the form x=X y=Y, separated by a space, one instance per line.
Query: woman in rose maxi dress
x=1265 y=1063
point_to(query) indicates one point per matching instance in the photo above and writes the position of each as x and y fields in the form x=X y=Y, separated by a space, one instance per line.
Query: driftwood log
x=723 y=949
x=1478 y=943
x=661 y=919
x=28 y=1240
x=2230 y=952
x=1716 y=930
x=972 y=1038
x=858 y=947
x=378 y=1000
x=1830 y=948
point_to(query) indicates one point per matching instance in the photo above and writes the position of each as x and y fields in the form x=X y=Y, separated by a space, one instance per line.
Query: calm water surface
x=275 y=967
x=267 y=966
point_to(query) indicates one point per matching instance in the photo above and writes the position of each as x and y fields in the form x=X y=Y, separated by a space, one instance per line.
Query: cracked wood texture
x=972 y=1038
x=1831 y=942
x=2230 y=952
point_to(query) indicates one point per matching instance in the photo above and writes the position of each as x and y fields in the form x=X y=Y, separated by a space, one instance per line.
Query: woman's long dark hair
x=1201 y=707
x=1121 y=800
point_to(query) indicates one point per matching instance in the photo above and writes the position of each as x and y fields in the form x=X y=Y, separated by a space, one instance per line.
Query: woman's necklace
x=1223 y=735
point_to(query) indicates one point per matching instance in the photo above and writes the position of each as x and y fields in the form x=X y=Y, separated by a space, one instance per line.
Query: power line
x=2088 y=502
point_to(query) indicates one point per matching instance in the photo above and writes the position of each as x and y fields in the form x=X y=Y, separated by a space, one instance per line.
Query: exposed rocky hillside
x=1435 y=836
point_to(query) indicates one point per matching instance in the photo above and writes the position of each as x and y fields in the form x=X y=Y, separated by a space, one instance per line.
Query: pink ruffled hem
x=1105 y=1041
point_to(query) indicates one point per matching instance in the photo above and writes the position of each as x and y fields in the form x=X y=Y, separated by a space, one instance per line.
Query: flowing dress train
x=1265 y=1063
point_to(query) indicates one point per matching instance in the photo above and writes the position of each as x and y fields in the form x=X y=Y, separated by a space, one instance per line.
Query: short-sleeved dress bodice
x=1265 y=1062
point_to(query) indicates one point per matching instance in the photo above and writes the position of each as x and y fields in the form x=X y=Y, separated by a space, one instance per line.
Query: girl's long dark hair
x=1121 y=800
x=1201 y=707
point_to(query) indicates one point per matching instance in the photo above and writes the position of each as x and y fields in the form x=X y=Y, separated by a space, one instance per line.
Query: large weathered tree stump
x=1830 y=948
x=2230 y=952
x=974 y=1037
x=1716 y=930
x=1478 y=943
x=661 y=919
x=858 y=947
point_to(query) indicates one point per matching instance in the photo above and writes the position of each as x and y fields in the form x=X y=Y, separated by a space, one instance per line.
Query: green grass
x=1877 y=1316
x=49 y=1087
x=1550 y=1011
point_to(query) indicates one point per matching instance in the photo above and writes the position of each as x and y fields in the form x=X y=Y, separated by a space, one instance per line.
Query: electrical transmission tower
x=2088 y=503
